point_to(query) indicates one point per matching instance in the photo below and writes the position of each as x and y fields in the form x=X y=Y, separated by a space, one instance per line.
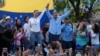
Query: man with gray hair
x=55 y=28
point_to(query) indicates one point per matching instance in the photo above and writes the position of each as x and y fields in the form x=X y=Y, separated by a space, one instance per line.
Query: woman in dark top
x=18 y=24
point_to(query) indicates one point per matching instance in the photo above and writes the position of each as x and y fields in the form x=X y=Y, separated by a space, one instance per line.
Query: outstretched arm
x=67 y=13
x=47 y=12
x=42 y=13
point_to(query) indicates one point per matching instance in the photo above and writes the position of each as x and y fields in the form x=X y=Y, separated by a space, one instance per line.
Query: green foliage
x=59 y=5
x=1 y=2
x=92 y=1
x=97 y=10
x=72 y=17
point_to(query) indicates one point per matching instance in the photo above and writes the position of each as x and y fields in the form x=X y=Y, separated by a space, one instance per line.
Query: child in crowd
x=19 y=34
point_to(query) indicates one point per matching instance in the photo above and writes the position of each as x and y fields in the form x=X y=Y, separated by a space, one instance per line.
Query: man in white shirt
x=35 y=31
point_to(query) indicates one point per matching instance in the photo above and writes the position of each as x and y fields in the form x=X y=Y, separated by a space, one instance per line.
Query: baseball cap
x=8 y=17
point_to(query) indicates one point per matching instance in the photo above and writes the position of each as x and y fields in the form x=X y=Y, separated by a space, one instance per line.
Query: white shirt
x=94 y=38
x=89 y=27
x=26 y=30
x=35 y=23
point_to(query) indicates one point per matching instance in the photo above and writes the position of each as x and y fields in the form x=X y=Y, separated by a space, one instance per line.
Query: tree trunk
x=77 y=15
x=76 y=8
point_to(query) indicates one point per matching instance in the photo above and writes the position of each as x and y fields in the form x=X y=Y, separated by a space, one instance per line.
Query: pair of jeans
x=35 y=37
x=25 y=43
x=94 y=47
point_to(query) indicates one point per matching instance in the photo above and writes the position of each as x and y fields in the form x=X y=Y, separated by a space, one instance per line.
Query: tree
x=59 y=5
x=1 y=3
x=82 y=8
x=76 y=4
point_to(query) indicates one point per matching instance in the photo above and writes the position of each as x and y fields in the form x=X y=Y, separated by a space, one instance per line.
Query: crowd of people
x=58 y=37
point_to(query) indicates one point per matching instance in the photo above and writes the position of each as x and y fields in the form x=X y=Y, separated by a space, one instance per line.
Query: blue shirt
x=8 y=25
x=55 y=25
x=67 y=32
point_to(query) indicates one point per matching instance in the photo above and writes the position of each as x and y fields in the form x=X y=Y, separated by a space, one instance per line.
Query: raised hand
x=47 y=6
